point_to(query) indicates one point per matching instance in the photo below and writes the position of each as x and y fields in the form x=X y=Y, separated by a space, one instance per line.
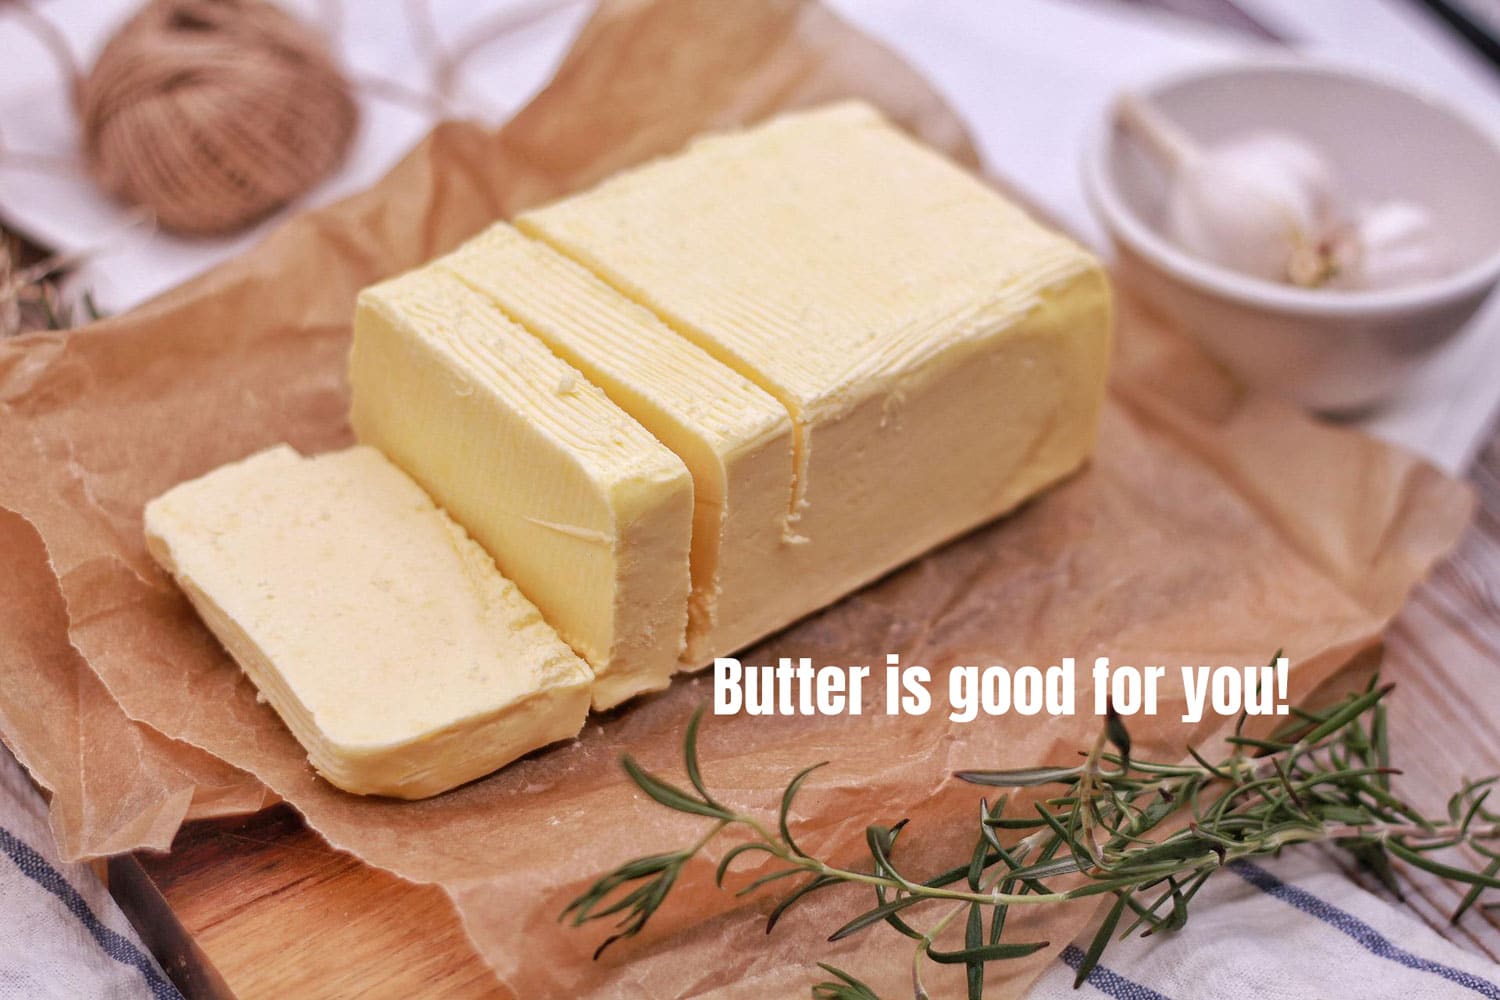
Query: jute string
x=209 y=114
x=213 y=113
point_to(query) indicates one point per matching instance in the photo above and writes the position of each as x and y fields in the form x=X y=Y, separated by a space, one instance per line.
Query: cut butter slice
x=735 y=438
x=941 y=355
x=382 y=635
x=588 y=513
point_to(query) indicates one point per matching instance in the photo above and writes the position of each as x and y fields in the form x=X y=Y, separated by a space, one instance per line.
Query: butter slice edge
x=588 y=513
x=735 y=438
x=377 y=629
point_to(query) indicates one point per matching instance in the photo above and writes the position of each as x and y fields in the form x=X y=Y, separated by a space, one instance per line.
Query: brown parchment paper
x=1211 y=528
x=70 y=734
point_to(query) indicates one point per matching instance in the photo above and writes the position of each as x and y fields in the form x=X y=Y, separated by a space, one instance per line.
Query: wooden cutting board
x=262 y=907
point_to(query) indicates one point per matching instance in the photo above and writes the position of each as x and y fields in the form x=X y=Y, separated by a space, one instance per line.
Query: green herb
x=1148 y=834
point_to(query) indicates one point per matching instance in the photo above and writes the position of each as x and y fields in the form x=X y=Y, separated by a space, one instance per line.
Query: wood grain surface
x=272 y=911
x=1443 y=652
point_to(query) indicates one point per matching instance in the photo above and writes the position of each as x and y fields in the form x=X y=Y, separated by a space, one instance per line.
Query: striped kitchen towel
x=1293 y=928
x=61 y=935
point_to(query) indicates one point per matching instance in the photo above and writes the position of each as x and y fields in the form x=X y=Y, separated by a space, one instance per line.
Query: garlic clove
x=1390 y=245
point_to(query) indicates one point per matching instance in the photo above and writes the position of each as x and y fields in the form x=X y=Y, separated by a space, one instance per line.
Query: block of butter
x=735 y=438
x=587 y=512
x=382 y=635
x=680 y=411
x=942 y=357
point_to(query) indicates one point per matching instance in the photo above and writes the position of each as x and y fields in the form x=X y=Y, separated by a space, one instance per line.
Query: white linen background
x=1300 y=927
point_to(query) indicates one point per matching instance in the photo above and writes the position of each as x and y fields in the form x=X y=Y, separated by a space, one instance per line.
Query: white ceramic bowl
x=1336 y=351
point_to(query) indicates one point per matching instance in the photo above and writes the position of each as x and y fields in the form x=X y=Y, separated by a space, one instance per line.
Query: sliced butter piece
x=942 y=356
x=588 y=513
x=735 y=438
x=382 y=635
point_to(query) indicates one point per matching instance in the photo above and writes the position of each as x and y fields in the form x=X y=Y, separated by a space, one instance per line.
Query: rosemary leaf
x=986 y=953
x=1100 y=940
x=847 y=987
x=782 y=819
x=669 y=795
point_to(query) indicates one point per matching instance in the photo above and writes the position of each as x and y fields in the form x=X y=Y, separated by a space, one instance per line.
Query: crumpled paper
x=1212 y=527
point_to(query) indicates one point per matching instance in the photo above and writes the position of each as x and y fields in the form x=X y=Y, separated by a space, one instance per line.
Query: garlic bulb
x=1266 y=204
x=1258 y=204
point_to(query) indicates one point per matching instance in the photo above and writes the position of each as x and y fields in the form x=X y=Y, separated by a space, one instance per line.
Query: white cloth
x=1292 y=928
x=388 y=54
x=61 y=935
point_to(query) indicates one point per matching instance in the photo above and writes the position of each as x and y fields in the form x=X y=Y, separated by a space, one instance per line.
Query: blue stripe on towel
x=1366 y=936
x=113 y=944
x=1107 y=981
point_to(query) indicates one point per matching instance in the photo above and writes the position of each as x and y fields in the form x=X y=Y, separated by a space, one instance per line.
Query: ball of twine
x=213 y=113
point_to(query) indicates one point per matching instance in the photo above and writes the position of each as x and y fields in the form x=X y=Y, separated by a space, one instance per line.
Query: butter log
x=383 y=636
x=734 y=437
x=941 y=356
x=580 y=506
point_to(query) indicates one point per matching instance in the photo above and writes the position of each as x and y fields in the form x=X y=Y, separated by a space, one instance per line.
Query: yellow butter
x=735 y=438
x=382 y=635
x=588 y=513
x=941 y=355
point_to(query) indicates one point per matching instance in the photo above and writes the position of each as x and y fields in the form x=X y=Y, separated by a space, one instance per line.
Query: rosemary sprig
x=1150 y=834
